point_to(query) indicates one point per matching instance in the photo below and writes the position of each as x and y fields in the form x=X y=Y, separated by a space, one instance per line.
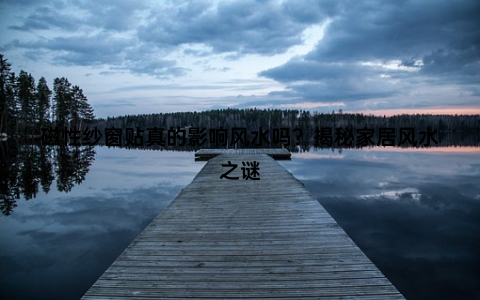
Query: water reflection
x=27 y=167
x=416 y=214
x=56 y=246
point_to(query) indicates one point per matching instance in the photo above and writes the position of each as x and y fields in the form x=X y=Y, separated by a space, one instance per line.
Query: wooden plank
x=275 y=153
x=238 y=239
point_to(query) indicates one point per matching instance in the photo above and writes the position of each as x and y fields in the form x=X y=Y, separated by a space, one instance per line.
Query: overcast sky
x=162 y=56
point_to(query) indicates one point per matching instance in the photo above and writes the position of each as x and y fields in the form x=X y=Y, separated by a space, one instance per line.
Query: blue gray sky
x=163 y=56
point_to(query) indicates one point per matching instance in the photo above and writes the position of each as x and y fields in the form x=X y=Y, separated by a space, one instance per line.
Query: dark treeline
x=461 y=130
x=252 y=118
x=28 y=167
x=26 y=107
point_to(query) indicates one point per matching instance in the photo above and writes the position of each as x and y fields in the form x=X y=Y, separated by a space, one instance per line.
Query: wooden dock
x=238 y=239
x=275 y=153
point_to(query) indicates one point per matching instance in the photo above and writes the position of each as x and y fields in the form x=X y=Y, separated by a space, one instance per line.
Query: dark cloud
x=310 y=11
x=387 y=30
x=102 y=49
x=69 y=16
x=463 y=63
x=198 y=53
x=342 y=91
x=311 y=70
x=23 y=3
x=120 y=15
x=80 y=50
x=327 y=82
x=45 y=18
x=439 y=43
x=243 y=27
x=158 y=68
x=90 y=33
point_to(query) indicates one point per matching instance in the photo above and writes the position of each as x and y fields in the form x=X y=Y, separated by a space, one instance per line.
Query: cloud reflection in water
x=416 y=214
x=57 y=244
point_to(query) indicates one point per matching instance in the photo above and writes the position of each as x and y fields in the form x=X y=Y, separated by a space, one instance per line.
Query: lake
x=414 y=212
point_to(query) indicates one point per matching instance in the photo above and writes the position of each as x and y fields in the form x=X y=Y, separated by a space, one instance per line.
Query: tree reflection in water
x=27 y=167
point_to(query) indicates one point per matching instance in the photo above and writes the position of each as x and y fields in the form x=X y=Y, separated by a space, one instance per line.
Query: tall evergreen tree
x=5 y=101
x=76 y=95
x=26 y=97
x=11 y=121
x=63 y=101
x=81 y=109
x=43 y=101
x=84 y=108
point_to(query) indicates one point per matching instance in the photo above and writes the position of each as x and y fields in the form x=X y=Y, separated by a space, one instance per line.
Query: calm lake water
x=415 y=213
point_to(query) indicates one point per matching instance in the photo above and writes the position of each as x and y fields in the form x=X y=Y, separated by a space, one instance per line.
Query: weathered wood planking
x=275 y=153
x=240 y=239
